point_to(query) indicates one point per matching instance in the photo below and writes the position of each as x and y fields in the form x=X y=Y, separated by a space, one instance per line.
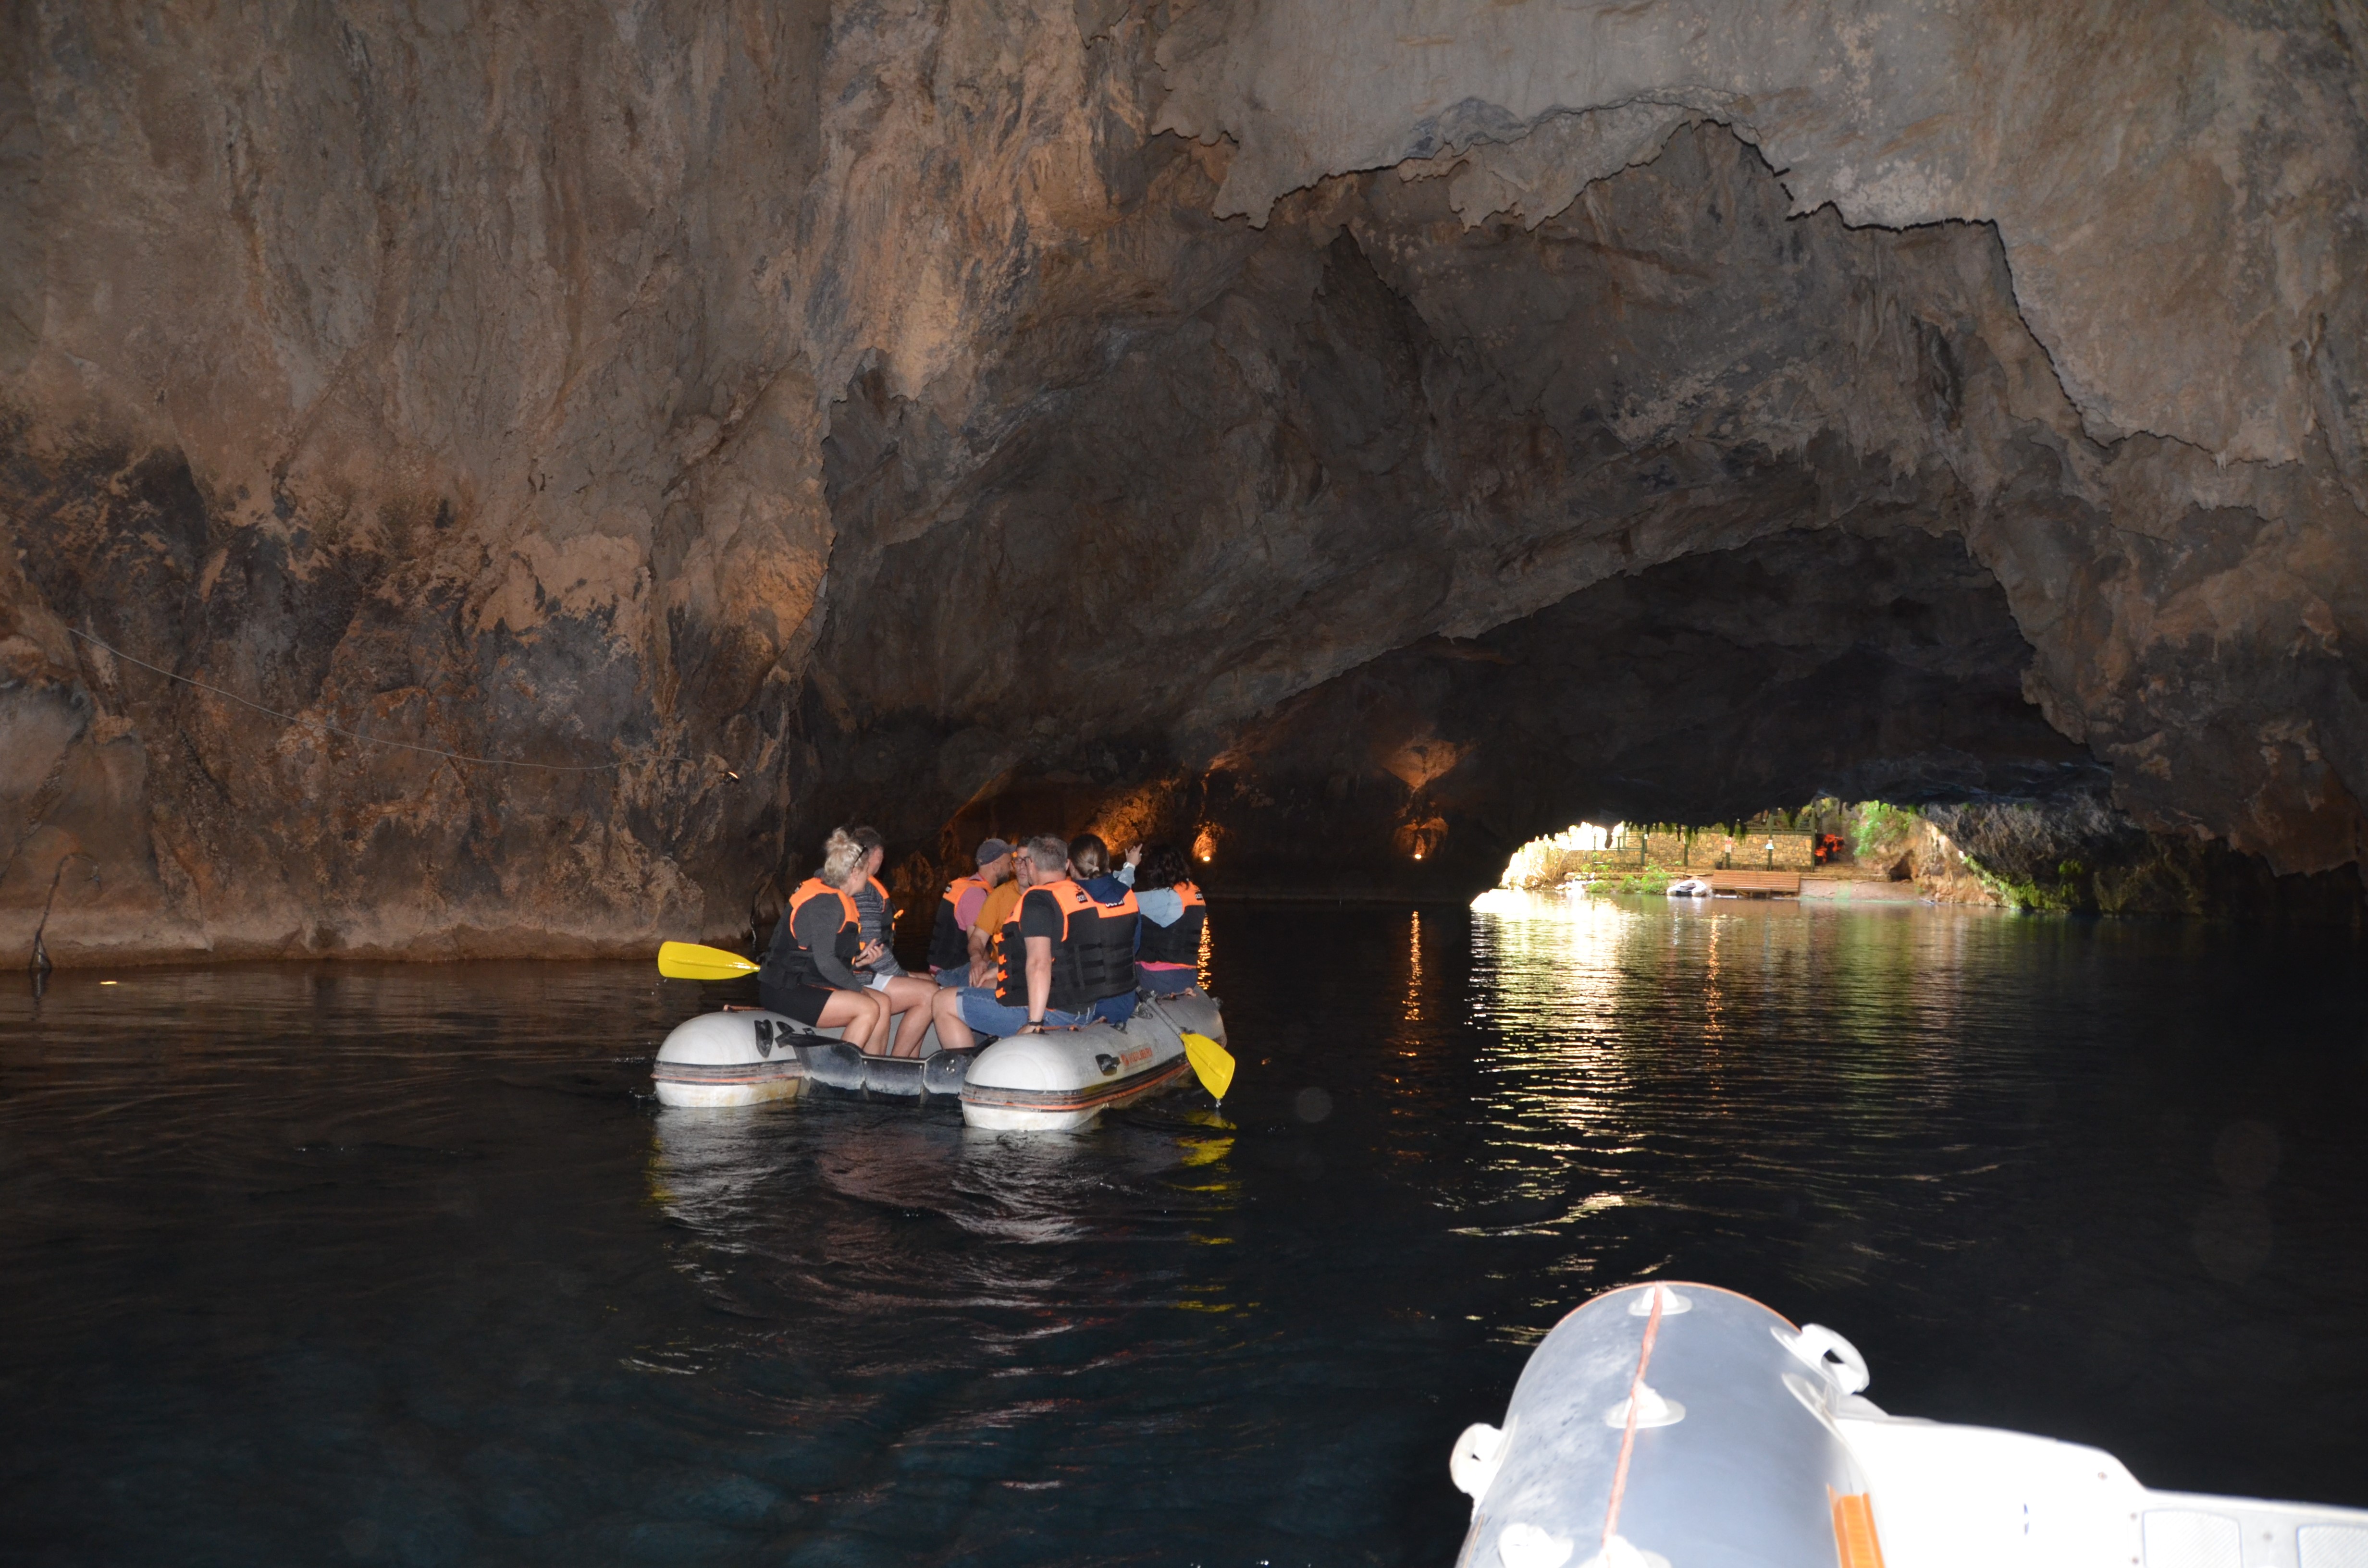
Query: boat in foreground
x=1058 y=1080
x=1676 y=1425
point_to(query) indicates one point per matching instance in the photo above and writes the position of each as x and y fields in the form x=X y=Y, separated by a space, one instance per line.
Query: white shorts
x=876 y=981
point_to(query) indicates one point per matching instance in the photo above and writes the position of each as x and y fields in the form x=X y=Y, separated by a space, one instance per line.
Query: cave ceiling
x=571 y=458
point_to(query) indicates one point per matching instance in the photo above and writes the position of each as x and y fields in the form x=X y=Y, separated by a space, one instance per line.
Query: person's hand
x=981 y=971
x=872 y=953
x=1031 y=1028
x=1135 y=855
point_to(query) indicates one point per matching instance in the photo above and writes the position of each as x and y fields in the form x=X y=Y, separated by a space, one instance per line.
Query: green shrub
x=1651 y=879
x=1879 y=825
x=2023 y=895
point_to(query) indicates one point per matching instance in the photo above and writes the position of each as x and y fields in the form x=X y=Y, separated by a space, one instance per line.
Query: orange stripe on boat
x=981 y=1095
x=1854 y=1538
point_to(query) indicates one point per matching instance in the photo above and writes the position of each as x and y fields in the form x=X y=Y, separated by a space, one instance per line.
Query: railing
x=1784 y=849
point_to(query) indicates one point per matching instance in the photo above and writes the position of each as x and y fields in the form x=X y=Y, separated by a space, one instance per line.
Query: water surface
x=403 y=1266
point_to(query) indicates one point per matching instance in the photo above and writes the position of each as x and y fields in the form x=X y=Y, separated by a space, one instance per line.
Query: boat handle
x=1478 y=1455
x=1816 y=1341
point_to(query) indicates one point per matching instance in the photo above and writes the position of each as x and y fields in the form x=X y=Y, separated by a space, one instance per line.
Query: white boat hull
x=730 y=1059
x=711 y=1095
x=1682 y=1424
x=1048 y=1083
x=1062 y=1080
x=748 y=1057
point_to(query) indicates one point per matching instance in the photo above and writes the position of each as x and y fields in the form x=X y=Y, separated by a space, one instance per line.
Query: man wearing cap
x=957 y=956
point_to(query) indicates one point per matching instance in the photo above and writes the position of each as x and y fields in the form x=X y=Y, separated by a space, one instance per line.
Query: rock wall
x=2078 y=855
x=571 y=457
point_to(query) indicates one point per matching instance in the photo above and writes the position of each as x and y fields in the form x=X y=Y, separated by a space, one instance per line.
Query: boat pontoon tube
x=1062 y=1079
x=745 y=1055
x=736 y=1058
x=1688 y=1426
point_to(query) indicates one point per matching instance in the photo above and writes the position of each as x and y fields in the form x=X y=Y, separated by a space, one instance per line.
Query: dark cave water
x=403 y=1265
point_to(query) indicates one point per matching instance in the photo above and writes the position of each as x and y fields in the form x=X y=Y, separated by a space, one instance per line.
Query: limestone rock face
x=498 y=481
x=2101 y=140
x=419 y=372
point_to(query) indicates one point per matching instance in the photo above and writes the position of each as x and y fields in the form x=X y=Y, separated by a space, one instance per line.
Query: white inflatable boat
x=744 y=1056
x=1064 y=1078
x=1683 y=1426
x=1690 y=887
x=1047 y=1082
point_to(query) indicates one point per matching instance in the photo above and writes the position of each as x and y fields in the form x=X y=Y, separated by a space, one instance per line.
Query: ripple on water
x=402 y=1265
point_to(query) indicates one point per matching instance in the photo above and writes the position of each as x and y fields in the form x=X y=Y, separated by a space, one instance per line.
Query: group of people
x=1046 y=934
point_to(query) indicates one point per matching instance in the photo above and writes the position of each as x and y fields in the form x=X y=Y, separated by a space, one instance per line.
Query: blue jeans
x=982 y=1012
x=1114 y=1009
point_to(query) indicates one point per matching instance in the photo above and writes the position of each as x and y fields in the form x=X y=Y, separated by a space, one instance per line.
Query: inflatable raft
x=1047 y=1082
x=1677 y=1425
x=746 y=1055
x=1064 y=1078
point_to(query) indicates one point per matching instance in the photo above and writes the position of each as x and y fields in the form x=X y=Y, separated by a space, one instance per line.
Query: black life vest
x=1076 y=951
x=1111 y=970
x=790 y=962
x=1179 y=942
x=950 y=940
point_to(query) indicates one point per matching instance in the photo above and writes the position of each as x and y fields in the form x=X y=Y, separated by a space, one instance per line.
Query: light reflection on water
x=1414 y=991
x=396 y=1265
x=1662 y=1051
x=1957 y=1131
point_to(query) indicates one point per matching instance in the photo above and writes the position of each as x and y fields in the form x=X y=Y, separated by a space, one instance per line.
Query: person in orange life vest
x=1043 y=950
x=949 y=951
x=808 y=973
x=1088 y=862
x=1170 y=916
x=994 y=914
x=908 y=995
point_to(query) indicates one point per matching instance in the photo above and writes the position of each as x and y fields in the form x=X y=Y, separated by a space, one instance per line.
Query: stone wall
x=1707 y=849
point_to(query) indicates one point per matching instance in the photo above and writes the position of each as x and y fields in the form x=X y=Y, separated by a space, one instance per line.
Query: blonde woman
x=909 y=997
x=809 y=971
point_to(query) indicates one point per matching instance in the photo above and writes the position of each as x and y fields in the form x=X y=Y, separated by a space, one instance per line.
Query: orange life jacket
x=1110 y=971
x=1179 y=941
x=1079 y=937
x=790 y=962
x=950 y=940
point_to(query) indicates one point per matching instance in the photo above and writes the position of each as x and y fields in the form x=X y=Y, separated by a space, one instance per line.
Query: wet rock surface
x=2080 y=855
x=733 y=420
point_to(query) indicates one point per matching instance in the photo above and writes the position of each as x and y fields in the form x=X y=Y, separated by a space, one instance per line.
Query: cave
x=507 y=483
x=484 y=489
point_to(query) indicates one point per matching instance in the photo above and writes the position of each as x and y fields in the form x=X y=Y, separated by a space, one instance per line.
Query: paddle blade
x=688 y=960
x=1211 y=1061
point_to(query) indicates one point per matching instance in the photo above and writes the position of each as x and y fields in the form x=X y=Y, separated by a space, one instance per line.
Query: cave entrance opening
x=1826 y=840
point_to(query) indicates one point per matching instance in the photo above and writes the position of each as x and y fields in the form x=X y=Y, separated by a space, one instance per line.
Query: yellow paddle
x=688 y=960
x=1212 y=1063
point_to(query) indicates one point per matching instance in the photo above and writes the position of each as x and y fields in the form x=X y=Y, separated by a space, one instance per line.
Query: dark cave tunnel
x=1375 y=545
